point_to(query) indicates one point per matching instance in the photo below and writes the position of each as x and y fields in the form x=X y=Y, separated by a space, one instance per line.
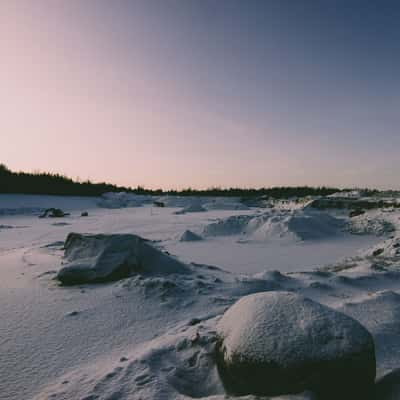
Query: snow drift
x=276 y=343
x=295 y=225
x=101 y=258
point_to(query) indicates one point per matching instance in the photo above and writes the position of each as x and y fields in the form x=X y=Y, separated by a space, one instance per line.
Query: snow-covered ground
x=145 y=337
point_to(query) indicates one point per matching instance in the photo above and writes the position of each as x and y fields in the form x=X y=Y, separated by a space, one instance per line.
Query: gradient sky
x=177 y=93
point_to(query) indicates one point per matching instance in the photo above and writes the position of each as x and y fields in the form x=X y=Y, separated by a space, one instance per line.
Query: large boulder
x=274 y=343
x=102 y=258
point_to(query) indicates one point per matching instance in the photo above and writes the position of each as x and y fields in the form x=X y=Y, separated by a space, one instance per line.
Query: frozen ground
x=151 y=337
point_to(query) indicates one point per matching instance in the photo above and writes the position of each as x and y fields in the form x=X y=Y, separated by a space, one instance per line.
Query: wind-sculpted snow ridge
x=292 y=225
x=102 y=258
x=177 y=365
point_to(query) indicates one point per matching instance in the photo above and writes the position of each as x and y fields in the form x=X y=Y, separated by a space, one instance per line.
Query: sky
x=201 y=93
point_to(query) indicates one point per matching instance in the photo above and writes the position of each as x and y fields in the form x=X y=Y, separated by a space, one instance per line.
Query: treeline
x=56 y=184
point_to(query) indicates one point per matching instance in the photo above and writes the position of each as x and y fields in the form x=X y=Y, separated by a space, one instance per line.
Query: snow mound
x=276 y=343
x=189 y=236
x=101 y=258
x=123 y=200
x=195 y=207
x=292 y=225
x=228 y=226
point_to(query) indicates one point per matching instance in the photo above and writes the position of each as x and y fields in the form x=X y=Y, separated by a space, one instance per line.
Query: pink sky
x=98 y=96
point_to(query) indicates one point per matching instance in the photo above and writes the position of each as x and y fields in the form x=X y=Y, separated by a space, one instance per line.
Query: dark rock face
x=53 y=213
x=377 y=252
x=276 y=343
x=104 y=258
x=356 y=212
x=388 y=387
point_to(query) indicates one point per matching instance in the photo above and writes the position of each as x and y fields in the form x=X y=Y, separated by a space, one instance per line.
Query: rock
x=53 y=213
x=275 y=343
x=388 y=387
x=189 y=236
x=159 y=204
x=84 y=214
x=377 y=252
x=356 y=212
x=103 y=258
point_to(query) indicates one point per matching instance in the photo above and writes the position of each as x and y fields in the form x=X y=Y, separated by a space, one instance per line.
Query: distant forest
x=56 y=184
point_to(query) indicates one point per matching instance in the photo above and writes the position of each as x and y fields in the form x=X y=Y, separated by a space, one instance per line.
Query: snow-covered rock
x=100 y=258
x=367 y=224
x=189 y=236
x=274 y=343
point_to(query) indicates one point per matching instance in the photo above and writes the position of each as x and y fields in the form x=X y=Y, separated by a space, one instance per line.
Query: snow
x=153 y=335
x=280 y=342
x=195 y=207
x=279 y=224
